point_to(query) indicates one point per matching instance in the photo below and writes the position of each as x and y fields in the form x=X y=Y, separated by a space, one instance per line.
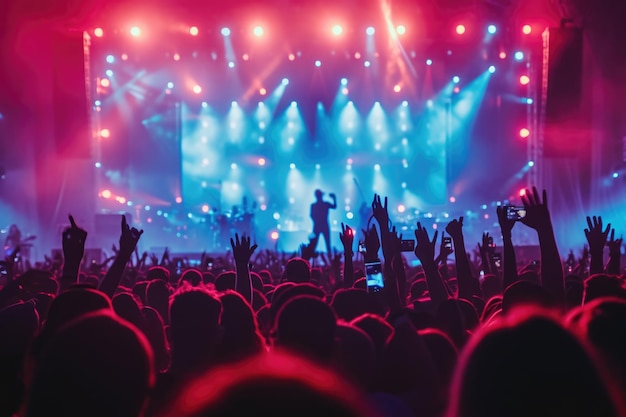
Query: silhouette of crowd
x=254 y=332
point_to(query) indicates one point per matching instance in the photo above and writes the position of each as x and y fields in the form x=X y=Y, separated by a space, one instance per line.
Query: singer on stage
x=319 y=215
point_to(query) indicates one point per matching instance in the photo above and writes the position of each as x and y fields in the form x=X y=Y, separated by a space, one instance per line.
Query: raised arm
x=128 y=241
x=425 y=252
x=596 y=237
x=538 y=218
x=615 y=252
x=463 y=270
x=347 y=239
x=509 y=275
x=73 y=250
x=242 y=251
x=334 y=198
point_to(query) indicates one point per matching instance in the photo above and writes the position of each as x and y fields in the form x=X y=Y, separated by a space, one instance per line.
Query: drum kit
x=224 y=224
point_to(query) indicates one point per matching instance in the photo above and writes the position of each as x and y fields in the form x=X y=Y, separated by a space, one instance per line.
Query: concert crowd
x=357 y=332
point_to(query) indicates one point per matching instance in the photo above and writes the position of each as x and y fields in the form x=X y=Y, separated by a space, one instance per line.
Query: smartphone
x=497 y=260
x=515 y=213
x=374 y=276
x=490 y=242
x=447 y=242
x=362 y=248
x=407 y=245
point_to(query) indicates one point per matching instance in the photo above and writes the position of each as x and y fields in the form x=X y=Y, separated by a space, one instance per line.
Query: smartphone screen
x=447 y=242
x=515 y=213
x=374 y=276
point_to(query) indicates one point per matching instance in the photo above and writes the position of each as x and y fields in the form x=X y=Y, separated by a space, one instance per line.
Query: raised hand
x=455 y=228
x=486 y=247
x=128 y=238
x=424 y=247
x=506 y=224
x=242 y=251
x=379 y=210
x=372 y=243
x=537 y=213
x=614 y=245
x=395 y=241
x=347 y=239
x=74 y=244
x=307 y=250
x=596 y=237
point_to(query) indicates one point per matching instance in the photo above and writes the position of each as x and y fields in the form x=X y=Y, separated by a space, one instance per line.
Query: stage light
x=193 y=31
x=529 y=101
x=318 y=63
x=292 y=166
x=231 y=64
x=197 y=89
x=531 y=163
x=502 y=55
x=429 y=62
x=109 y=73
x=225 y=32
x=233 y=166
x=491 y=29
x=349 y=215
x=366 y=64
x=370 y=30
x=274 y=235
x=337 y=30
x=357 y=55
x=293 y=104
x=492 y=69
x=377 y=167
x=452 y=199
x=401 y=208
x=205 y=104
x=345 y=91
x=261 y=162
x=456 y=79
x=98 y=165
x=179 y=200
x=262 y=91
x=97 y=103
x=285 y=81
x=258 y=31
x=205 y=208
x=176 y=57
x=524 y=133
x=527 y=29
x=349 y=140
x=233 y=104
x=106 y=193
x=170 y=85
x=245 y=57
x=522 y=192
x=98 y=32
x=524 y=80
x=405 y=103
x=397 y=88
x=121 y=200
x=110 y=59
x=460 y=29
x=344 y=81
x=135 y=31
x=105 y=133
x=400 y=29
x=124 y=57
x=318 y=167
x=615 y=174
x=292 y=57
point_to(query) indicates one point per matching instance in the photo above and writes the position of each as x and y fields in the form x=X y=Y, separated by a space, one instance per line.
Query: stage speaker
x=70 y=98
x=565 y=131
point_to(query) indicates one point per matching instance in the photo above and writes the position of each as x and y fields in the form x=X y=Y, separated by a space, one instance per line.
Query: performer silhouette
x=319 y=215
